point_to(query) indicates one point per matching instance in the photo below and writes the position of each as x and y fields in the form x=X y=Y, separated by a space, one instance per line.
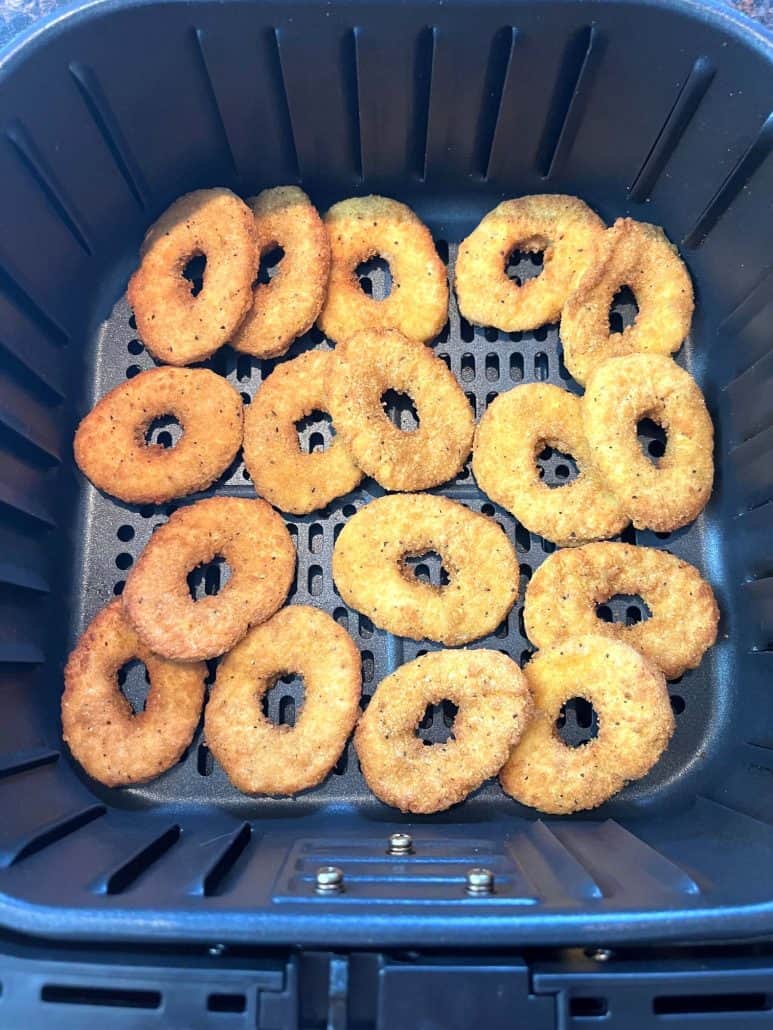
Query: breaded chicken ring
x=114 y=745
x=639 y=256
x=286 y=307
x=495 y=707
x=258 y=756
x=255 y=543
x=111 y=449
x=371 y=363
x=564 y=228
x=176 y=327
x=620 y=393
x=280 y=471
x=563 y=593
x=372 y=576
x=635 y=724
x=366 y=227
x=513 y=431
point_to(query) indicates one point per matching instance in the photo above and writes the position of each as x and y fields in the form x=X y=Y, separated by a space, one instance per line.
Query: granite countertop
x=17 y=15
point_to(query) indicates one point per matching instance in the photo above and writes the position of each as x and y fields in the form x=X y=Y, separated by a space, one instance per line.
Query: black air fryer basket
x=109 y=112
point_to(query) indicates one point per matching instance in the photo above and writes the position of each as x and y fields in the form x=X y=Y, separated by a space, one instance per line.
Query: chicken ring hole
x=281 y=704
x=577 y=722
x=525 y=262
x=627 y=609
x=375 y=278
x=163 y=431
x=556 y=468
x=208 y=578
x=134 y=683
x=400 y=410
x=437 y=723
x=315 y=432
x=652 y=439
x=193 y=271
x=268 y=267
x=623 y=310
x=426 y=567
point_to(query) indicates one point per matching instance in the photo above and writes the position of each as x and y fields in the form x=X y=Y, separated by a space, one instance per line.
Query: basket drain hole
x=194 y=273
x=400 y=410
x=623 y=310
x=577 y=723
x=375 y=278
x=625 y=608
x=134 y=683
x=208 y=578
x=315 y=432
x=652 y=440
x=522 y=265
x=282 y=702
x=163 y=431
x=268 y=266
x=555 y=467
x=427 y=568
x=437 y=723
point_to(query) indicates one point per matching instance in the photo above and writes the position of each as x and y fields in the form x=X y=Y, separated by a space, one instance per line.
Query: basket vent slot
x=679 y=117
x=102 y=114
x=53 y=832
x=122 y=877
x=684 y=1004
x=736 y=181
x=201 y=60
x=231 y=854
x=422 y=92
x=226 y=1003
x=500 y=58
x=108 y=997
x=570 y=96
x=32 y=159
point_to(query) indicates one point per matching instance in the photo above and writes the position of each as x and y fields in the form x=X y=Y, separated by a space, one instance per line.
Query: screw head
x=480 y=881
x=400 y=844
x=600 y=954
x=329 y=880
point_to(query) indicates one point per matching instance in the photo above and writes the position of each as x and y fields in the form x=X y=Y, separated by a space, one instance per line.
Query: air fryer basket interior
x=660 y=112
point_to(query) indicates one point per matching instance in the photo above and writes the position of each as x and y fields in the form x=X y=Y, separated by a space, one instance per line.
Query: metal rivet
x=330 y=880
x=480 y=881
x=215 y=950
x=400 y=844
x=600 y=954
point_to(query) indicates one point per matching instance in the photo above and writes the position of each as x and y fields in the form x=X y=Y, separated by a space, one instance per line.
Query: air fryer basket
x=660 y=111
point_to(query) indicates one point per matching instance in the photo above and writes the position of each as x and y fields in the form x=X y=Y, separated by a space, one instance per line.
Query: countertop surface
x=17 y=15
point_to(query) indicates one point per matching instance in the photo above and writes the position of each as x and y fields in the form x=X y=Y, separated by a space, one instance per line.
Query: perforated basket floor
x=486 y=363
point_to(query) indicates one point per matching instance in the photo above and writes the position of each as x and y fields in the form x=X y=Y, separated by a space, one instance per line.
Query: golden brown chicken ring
x=287 y=306
x=515 y=428
x=635 y=724
x=258 y=756
x=112 y=743
x=111 y=449
x=253 y=540
x=563 y=594
x=371 y=574
x=176 y=327
x=280 y=471
x=373 y=362
x=564 y=228
x=621 y=392
x=640 y=256
x=367 y=227
x=494 y=705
